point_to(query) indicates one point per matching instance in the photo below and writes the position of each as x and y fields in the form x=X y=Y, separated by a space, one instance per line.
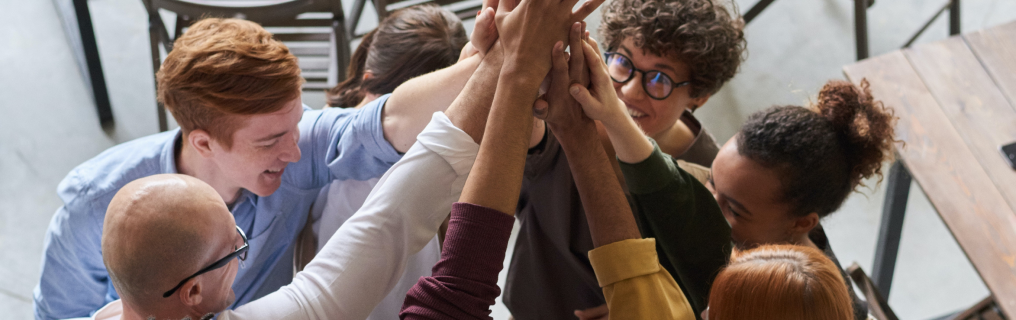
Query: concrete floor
x=794 y=47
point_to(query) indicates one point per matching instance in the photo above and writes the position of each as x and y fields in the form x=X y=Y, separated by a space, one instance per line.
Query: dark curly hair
x=699 y=32
x=822 y=153
x=408 y=43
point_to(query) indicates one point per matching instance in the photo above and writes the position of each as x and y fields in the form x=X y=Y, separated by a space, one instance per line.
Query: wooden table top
x=956 y=100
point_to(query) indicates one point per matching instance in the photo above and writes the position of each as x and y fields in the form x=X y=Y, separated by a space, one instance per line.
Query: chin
x=263 y=187
x=263 y=190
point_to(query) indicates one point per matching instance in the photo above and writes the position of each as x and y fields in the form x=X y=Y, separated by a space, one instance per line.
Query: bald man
x=158 y=231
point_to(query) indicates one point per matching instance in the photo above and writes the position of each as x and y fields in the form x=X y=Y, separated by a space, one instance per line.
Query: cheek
x=667 y=111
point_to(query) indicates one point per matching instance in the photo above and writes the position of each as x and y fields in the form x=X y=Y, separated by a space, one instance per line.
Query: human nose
x=292 y=152
x=632 y=90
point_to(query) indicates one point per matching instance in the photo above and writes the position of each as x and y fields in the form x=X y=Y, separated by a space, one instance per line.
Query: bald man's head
x=161 y=229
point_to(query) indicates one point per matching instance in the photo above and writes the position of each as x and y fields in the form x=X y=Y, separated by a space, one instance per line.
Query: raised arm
x=408 y=109
x=693 y=238
x=634 y=283
x=464 y=282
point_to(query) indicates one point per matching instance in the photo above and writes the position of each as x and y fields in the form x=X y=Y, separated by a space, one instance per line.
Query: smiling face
x=749 y=197
x=655 y=116
x=261 y=149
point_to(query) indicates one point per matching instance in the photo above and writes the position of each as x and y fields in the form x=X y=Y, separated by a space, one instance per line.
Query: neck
x=675 y=140
x=191 y=163
x=367 y=98
x=804 y=240
x=131 y=313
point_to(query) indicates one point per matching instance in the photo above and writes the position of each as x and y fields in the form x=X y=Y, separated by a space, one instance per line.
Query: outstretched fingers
x=586 y=9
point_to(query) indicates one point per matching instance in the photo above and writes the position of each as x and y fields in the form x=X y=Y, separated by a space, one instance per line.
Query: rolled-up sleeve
x=635 y=285
x=367 y=255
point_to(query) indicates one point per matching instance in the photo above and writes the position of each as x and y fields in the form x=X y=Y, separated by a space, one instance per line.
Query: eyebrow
x=657 y=66
x=272 y=137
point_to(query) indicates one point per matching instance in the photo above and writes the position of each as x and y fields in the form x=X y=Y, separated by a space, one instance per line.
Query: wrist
x=574 y=136
x=618 y=121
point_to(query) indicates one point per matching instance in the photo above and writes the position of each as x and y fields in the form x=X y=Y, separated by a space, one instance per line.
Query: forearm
x=469 y=111
x=408 y=109
x=343 y=282
x=607 y=211
x=630 y=143
x=464 y=282
x=496 y=179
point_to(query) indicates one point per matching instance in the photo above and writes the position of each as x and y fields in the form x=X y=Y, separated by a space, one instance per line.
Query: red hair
x=784 y=282
x=223 y=69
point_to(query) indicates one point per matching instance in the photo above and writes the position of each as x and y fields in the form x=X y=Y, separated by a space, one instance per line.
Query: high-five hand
x=562 y=113
x=529 y=28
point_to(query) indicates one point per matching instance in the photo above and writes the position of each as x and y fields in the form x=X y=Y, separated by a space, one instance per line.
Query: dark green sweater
x=692 y=237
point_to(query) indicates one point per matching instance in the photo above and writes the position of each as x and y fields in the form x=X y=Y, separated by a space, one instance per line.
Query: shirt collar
x=169 y=149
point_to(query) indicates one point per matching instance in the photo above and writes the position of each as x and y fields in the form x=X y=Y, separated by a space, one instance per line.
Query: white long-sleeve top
x=366 y=256
x=364 y=259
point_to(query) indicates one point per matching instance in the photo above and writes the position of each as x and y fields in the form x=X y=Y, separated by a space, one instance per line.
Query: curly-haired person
x=666 y=58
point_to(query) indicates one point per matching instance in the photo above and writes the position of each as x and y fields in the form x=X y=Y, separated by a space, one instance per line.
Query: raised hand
x=484 y=30
x=599 y=101
x=558 y=108
x=529 y=28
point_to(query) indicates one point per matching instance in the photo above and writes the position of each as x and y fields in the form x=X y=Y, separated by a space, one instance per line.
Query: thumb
x=541 y=108
x=583 y=96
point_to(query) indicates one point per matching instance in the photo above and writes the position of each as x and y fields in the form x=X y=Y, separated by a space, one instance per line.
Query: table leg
x=78 y=24
x=861 y=29
x=893 y=210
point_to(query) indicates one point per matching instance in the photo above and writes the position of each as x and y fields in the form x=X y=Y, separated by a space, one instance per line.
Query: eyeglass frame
x=631 y=75
x=239 y=253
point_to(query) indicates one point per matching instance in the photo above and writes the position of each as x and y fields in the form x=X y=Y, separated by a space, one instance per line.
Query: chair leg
x=94 y=65
x=155 y=30
x=342 y=54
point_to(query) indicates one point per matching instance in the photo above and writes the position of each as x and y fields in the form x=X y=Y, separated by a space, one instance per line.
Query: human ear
x=803 y=225
x=367 y=74
x=698 y=102
x=190 y=293
x=201 y=141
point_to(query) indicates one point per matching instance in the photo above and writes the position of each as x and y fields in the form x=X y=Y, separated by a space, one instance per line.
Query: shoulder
x=99 y=178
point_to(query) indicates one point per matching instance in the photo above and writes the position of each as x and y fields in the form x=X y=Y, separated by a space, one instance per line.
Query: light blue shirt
x=336 y=144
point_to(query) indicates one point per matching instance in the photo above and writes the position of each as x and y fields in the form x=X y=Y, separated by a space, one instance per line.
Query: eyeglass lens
x=621 y=69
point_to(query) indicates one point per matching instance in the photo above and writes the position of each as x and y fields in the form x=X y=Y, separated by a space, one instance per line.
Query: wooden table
x=956 y=100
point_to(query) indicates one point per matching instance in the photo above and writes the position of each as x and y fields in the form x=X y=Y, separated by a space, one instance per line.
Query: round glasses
x=656 y=83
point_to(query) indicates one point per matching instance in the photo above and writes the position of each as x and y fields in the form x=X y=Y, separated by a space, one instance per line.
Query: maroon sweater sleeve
x=464 y=281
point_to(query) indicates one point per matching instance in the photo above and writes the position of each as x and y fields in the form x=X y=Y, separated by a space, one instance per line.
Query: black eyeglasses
x=656 y=83
x=240 y=253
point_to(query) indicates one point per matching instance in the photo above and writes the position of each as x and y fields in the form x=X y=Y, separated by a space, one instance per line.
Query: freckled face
x=653 y=116
x=748 y=196
x=262 y=148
